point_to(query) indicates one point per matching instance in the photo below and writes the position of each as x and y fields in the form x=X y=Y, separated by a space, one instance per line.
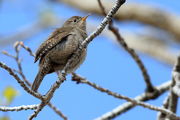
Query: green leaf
x=9 y=94
x=4 y=118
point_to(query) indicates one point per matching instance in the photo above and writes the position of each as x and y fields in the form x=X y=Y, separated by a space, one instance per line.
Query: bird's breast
x=63 y=50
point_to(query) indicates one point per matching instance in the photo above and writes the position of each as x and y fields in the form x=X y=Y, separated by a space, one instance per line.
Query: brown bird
x=59 y=47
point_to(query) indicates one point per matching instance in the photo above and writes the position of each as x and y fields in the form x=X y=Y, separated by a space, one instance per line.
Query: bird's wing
x=52 y=41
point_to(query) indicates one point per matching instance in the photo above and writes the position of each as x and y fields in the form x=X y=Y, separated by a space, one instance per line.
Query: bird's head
x=76 y=21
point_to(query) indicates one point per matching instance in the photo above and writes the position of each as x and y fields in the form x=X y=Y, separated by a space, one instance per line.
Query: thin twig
x=131 y=51
x=162 y=116
x=17 y=49
x=26 y=48
x=79 y=79
x=128 y=105
x=23 y=85
x=39 y=108
x=7 y=54
x=48 y=95
x=57 y=111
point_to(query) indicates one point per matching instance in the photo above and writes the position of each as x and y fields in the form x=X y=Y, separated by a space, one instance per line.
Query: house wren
x=59 y=47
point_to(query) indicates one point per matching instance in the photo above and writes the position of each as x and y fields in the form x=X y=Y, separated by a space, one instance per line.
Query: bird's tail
x=37 y=81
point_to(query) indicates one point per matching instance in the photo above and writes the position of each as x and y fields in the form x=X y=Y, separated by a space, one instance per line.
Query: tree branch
x=79 y=79
x=128 y=105
x=121 y=41
x=176 y=77
x=162 y=116
x=18 y=108
x=23 y=85
x=172 y=99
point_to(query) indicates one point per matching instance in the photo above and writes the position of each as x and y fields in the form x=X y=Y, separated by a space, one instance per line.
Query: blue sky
x=106 y=64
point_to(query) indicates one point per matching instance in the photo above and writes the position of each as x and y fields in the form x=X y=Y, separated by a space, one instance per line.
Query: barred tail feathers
x=37 y=81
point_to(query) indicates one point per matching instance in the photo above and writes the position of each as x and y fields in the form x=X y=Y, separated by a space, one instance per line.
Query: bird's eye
x=75 y=20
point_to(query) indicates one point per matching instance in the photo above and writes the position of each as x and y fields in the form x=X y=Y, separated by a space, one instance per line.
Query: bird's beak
x=84 y=18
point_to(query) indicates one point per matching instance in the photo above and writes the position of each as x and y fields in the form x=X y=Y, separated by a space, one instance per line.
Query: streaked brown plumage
x=59 y=47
